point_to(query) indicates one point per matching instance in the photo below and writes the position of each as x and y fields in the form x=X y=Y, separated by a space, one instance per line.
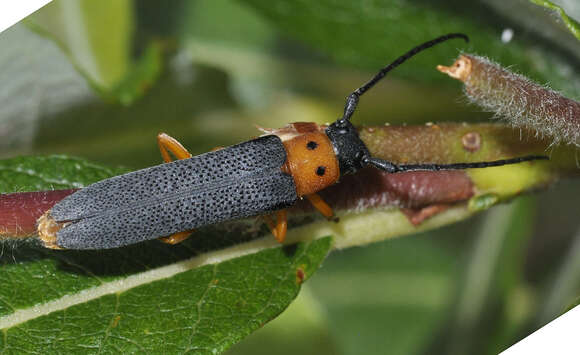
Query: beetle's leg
x=320 y=205
x=281 y=226
x=279 y=229
x=176 y=238
x=169 y=144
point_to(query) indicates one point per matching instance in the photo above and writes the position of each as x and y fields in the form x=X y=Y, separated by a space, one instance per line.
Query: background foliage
x=82 y=82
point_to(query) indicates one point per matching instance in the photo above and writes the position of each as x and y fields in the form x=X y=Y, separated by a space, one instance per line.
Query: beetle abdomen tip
x=47 y=229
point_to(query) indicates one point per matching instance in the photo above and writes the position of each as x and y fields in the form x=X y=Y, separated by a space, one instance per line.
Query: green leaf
x=50 y=173
x=370 y=35
x=301 y=329
x=140 y=78
x=572 y=25
x=97 y=38
x=144 y=297
x=150 y=298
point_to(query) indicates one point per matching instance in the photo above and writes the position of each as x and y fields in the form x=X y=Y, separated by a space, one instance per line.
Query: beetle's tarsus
x=280 y=228
x=176 y=238
x=169 y=144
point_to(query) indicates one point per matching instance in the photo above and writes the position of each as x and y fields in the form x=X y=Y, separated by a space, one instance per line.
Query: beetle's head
x=350 y=150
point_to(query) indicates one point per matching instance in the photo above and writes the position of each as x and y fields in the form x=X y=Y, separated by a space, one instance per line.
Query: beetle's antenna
x=394 y=168
x=352 y=99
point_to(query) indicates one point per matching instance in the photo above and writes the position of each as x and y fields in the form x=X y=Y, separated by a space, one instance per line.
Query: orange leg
x=176 y=238
x=320 y=205
x=279 y=229
x=169 y=144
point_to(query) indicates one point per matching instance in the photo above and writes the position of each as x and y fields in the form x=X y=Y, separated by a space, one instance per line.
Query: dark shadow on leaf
x=134 y=258
x=290 y=250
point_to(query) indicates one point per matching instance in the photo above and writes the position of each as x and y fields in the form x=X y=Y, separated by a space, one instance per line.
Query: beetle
x=258 y=177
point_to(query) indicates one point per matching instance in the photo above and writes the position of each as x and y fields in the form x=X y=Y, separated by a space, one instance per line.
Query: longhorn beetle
x=257 y=177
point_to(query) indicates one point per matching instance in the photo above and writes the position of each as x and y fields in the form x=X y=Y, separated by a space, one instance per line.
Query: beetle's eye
x=311 y=145
x=320 y=170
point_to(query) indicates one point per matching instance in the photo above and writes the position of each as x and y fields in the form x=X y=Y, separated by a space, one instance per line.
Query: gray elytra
x=241 y=181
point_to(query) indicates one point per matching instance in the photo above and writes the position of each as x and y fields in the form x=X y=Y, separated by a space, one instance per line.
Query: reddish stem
x=19 y=211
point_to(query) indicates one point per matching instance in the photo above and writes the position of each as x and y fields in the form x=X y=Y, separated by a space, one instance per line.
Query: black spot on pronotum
x=320 y=170
x=311 y=145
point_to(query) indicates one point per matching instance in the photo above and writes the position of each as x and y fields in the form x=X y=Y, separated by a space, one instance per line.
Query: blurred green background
x=99 y=80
